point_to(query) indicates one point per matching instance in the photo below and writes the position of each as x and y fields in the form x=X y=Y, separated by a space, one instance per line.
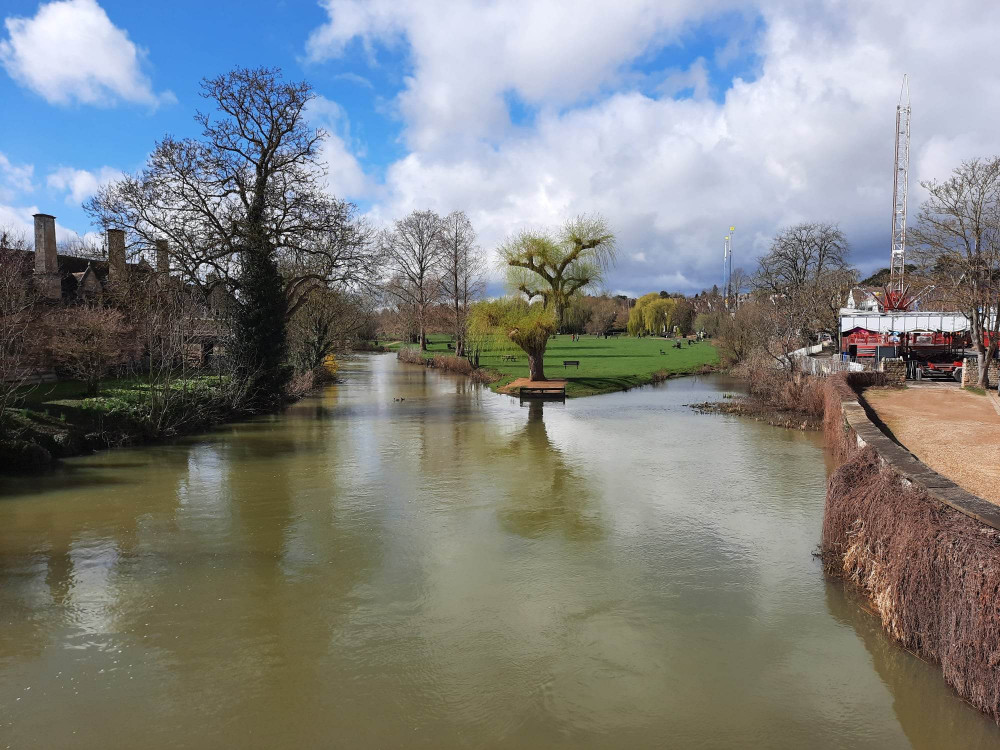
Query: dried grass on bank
x=448 y=363
x=932 y=573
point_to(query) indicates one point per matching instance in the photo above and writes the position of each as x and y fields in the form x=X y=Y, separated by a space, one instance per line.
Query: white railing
x=823 y=367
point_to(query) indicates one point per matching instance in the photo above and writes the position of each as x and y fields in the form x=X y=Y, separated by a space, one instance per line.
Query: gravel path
x=955 y=432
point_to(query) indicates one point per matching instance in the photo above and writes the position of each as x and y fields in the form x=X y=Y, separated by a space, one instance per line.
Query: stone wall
x=970 y=372
x=895 y=371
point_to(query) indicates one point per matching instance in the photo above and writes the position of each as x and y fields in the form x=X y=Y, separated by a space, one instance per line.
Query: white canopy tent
x=903 y=322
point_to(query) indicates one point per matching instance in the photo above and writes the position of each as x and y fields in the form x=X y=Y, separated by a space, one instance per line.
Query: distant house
x=863 y=298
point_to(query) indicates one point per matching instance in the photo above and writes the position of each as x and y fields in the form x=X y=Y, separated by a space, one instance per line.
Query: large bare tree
x=244 y=206
x=413 y=250
x=957 y=244
x=462 y=272
x=807 y=273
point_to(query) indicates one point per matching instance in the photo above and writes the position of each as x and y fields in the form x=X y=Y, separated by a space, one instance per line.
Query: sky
x=674 y=119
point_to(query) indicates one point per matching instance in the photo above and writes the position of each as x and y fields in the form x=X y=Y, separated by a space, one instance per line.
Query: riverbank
x=924 y=552
x=60 y=420
x=794 y=401
x=610 y=365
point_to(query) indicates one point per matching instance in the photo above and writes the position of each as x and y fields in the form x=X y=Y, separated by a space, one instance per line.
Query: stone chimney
x=162 y=257
x=47 y=280
x=116 y=255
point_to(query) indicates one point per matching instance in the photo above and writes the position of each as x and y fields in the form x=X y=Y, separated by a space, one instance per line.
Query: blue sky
x=673 y=119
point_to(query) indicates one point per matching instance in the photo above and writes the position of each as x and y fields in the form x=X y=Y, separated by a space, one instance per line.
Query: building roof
x=903 y=322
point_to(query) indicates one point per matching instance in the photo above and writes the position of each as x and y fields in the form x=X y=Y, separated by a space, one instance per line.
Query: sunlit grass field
x=606 y=365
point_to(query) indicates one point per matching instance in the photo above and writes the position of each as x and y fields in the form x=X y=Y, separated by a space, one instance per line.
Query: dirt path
x=955 y=432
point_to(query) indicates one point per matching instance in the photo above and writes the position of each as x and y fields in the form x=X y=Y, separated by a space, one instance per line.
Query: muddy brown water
x=449 y=571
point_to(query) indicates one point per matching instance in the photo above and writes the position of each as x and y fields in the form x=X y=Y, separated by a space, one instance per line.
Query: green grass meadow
x=606 y=365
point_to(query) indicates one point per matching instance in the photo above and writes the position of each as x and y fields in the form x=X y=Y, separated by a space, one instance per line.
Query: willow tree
x=556 y=266
x=651 y=314
x=499 y=324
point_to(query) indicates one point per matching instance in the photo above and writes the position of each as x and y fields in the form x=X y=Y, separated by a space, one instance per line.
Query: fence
x=828 y=366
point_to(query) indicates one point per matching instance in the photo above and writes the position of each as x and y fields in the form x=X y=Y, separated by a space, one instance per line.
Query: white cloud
x=71 y=51
x=19 y=221
x=468 y=55
x=810 y=137
x=14 y=178
x=344 y=176
x=80 y=184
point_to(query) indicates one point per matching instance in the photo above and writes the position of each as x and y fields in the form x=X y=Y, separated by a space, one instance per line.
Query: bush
x=931 y=573
x=21 y=455
x=300 y=384
x=451 y=363
x=411 y=355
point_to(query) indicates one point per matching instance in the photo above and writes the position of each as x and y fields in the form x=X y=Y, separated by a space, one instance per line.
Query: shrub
x=411 y=355
x=451 y=363
x=300 y=384
x=931 y=573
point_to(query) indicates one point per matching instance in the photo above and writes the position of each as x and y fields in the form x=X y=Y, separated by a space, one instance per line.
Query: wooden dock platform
x=526 y=388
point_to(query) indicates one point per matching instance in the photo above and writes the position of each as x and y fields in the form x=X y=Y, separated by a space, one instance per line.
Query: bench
x=551 y=391
x=451 y=346
x=574 y=362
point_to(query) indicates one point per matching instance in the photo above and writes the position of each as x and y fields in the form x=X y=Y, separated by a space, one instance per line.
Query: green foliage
x=259 y=345
x=555 y=267
x=652 y=314
x=709 y=322
x=496 y=324
x=606 y=365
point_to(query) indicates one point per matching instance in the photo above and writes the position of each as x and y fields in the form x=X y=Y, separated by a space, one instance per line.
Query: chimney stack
x=116 y=255
x=162 y=257
x=47 y=280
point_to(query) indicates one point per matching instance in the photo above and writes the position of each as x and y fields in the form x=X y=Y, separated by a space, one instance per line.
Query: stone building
x=62 y=280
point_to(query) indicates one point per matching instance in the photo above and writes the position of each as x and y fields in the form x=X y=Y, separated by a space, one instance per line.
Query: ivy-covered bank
x=60 y=420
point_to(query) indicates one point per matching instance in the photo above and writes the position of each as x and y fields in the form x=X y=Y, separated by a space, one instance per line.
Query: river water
x=449 y=571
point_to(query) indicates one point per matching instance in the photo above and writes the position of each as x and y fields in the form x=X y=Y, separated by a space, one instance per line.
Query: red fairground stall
x=933 y=344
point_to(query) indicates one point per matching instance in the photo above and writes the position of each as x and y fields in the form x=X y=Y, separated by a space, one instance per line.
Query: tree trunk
x=536 y=367
x=560 y=313
x=984 y=356
x=423 y=339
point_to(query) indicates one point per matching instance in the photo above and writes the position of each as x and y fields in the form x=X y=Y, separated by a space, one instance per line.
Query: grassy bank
x=59 y=420
x=606 y=365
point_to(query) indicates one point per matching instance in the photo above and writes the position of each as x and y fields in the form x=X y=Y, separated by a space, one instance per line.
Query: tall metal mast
x=900 y=181
x=727 y=270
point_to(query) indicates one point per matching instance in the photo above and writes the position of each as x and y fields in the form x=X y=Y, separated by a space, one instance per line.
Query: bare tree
x=17 y=316
x=462 y=272
x=87 y=341
x=957 y=241
x=807 y=272
x=244 y=206
x=413 y=252
x=327 y=321
x=603 y=312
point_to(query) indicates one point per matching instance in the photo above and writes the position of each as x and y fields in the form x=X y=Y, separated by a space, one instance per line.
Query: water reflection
x=450 y=570
x=551 y=496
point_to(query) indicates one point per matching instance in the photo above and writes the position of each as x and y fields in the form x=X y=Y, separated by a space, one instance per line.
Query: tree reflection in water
x=547 y=494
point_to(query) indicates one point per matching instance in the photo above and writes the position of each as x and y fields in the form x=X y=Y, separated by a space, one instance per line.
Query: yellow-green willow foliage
x=498 y=324
x=652 y=314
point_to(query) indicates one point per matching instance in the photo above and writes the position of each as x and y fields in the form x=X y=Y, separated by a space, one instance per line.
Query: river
x=452 y=570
